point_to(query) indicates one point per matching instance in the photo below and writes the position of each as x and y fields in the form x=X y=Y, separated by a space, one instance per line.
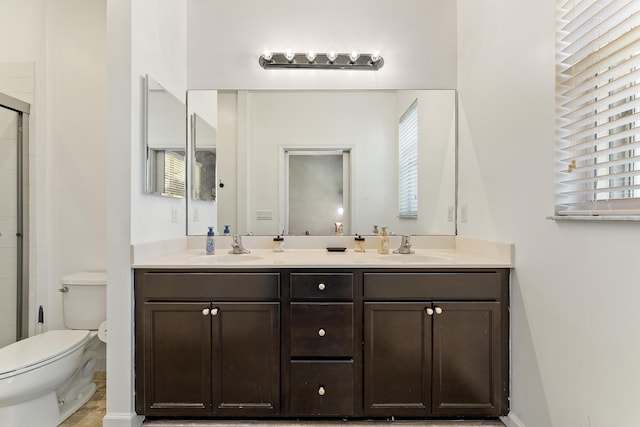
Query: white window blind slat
x=174 y=174
x=599 y=98
x=408 y=162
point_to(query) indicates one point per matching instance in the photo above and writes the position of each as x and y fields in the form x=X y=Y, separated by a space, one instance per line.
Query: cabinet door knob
x=429 y=311
x=205 y=312
x=214 y=311
x=322 y=332
x=438 y=310
x=321 y=391
x=322 y=286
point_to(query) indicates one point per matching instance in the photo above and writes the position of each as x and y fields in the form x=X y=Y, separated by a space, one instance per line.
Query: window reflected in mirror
x=165 y=128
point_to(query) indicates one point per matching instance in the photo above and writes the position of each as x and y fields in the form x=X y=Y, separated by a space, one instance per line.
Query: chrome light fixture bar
x=327 y=61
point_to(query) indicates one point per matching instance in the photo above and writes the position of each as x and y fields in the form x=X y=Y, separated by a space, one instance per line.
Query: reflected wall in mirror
x=165 y=130
x=254 y=130
x=202 y=205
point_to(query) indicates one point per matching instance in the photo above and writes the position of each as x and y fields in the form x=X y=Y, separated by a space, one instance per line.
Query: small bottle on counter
x=278 y=244
x=375 y=229
x=211 y=244
x=383 y=242
x=359 y=244
x=226 y=230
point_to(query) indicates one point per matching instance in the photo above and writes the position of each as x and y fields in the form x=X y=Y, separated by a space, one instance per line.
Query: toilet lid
x=39 y=348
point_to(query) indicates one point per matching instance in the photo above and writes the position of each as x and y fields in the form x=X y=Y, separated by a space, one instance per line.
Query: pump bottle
x=211 y=248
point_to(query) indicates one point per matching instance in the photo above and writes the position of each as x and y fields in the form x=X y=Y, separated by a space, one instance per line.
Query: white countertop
x=321 y=258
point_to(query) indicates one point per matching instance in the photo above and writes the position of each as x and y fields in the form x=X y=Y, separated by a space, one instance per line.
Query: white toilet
x=47 y=377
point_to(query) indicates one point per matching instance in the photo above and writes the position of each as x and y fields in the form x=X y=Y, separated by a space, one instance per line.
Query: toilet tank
x=84 y=300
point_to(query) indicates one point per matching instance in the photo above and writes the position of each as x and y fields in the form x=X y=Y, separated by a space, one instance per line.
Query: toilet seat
x=39 y=350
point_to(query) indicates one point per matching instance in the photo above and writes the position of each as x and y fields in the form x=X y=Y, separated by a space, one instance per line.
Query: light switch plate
x=264 y=215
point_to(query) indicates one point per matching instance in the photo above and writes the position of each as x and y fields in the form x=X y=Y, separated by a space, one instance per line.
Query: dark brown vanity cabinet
x=323 y=345
x=436 y=344
x=348 y=343
x=207 y=344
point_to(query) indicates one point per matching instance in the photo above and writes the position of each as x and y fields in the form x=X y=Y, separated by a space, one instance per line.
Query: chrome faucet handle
x=405 y=246
x=236 y=246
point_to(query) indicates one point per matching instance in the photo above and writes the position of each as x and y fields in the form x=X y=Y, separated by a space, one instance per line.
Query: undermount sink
x=226 y=258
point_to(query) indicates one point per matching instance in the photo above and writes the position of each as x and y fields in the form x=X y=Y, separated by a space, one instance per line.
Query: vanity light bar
x=326 y=61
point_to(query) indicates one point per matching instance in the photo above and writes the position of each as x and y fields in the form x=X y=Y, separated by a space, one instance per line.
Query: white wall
x=574 y=290
x=417 y=39
x=144 y=37
x=68 y=124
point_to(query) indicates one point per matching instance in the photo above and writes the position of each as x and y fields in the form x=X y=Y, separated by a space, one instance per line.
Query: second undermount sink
x=414 y=258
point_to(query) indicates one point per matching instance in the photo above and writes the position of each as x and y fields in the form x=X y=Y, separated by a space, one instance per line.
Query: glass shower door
x=14 y=214
x=8 y=225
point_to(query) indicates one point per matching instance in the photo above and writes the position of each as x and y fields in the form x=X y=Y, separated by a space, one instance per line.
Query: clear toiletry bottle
x=359 y=244
x=383 y=241
x=278 y=244
x=211 y=244
x=375 y=229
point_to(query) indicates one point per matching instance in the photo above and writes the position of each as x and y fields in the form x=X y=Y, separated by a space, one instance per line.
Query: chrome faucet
x=236 y=246
x=405 y=246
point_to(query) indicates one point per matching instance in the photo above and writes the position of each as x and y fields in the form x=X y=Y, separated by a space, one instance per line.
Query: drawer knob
x=214 y=311
x=322 y=286
x=321 y=391
x=322 y=332
x=205 y=312
x=429 y=311
x=438 y=310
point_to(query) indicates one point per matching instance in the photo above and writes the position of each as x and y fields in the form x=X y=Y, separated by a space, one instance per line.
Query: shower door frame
x=23 y=110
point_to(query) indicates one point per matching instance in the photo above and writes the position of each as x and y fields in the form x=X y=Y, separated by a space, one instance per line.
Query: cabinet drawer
x=211 y=286
x=321 y=329
x=433 y=286
x=322 y=388
x=314 y=286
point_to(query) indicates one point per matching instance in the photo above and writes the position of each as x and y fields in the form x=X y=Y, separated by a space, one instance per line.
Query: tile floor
x=91 y=414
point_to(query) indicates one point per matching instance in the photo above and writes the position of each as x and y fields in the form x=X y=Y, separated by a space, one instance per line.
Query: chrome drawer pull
x=321 y=391
x=322 y=332
x=322 y=286
x=429 y=311
x=214 y=311
x=205 y=312
x=438 y=310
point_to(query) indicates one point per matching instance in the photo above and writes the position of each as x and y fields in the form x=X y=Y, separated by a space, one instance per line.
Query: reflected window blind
x=598 y=170
x=408 y=162
x=174 y=174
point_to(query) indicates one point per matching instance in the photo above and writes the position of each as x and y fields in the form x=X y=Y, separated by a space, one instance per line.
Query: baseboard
x=512 y=421
x=122 y=420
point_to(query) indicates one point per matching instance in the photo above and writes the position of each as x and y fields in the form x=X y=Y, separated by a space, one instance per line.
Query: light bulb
x=289 y=55
x=311 y=55
x=332 y=55
x=354 y=55
x=375 y=56
x=267 y=54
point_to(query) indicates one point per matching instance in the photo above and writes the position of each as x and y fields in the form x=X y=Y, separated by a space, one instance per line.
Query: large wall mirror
x=165 y=130
x=298 y=162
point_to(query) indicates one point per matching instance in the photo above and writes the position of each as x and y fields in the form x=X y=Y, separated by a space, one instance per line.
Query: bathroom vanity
x=316 y=335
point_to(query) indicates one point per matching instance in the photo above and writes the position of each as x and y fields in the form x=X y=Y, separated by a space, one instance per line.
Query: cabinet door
x=246 y=358
x=397 y=359
x=177 y=359
x=466 y=358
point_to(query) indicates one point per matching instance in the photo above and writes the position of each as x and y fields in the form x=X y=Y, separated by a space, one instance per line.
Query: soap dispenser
x=383 y=241
x=278 y=244
x=359 y=244
x=211 y=244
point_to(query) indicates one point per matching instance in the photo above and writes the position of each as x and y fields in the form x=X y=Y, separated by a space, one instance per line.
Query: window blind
x=174 y=174
x=598 y=169
x=408 y=162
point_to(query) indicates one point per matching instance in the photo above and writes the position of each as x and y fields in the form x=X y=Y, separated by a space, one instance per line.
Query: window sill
x=626 y=218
